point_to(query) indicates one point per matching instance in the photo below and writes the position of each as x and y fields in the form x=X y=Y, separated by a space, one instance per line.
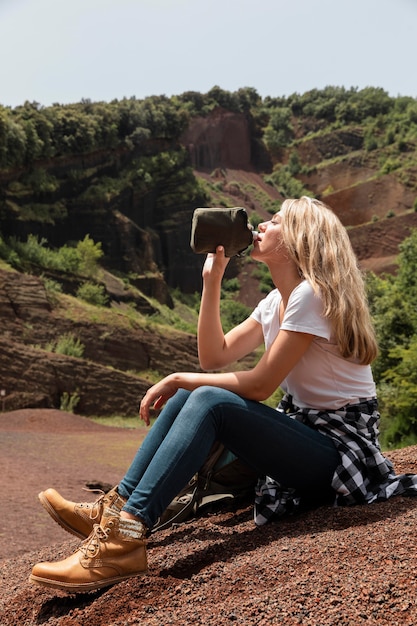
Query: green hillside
x=96 y=199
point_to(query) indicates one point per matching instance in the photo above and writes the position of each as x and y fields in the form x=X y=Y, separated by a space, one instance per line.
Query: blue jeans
x=267 y=440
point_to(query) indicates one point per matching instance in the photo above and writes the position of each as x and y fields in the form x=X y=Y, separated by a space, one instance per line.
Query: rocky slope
x=148 y=237
x=329 y=567
x=115 y=351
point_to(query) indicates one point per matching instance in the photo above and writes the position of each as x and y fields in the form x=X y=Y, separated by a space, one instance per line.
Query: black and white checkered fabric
x=364 y=474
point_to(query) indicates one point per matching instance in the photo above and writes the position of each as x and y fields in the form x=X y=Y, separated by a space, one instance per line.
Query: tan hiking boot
x=79 y=519
x=114 y=551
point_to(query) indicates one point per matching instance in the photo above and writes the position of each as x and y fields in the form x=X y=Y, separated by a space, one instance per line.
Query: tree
x=393 y=303
x=248 y=98
x=15 y=143
x=90 y=254
x=279 y=131
x=398 y=397
x=407 y=272
x=223 y=98
x=34 y=145
x=367 y=103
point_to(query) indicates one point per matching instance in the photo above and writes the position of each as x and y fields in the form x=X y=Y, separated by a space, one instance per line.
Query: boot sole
x=50 y=509
x=82 y=587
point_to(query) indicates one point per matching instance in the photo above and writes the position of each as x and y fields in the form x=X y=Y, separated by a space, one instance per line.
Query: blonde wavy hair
x=318 y=243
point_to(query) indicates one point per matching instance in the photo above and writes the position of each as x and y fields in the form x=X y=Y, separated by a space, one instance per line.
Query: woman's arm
x=215 y=349
x=256 y=384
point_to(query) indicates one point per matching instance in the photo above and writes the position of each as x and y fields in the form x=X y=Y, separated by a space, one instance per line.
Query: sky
x=62 y=51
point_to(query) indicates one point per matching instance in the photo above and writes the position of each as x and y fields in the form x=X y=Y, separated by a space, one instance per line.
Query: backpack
x=222 y=479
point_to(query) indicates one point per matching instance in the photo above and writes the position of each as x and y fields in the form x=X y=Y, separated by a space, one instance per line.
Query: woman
x=320 y=446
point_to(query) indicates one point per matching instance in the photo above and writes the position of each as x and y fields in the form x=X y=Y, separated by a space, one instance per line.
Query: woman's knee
x=202 y=406
x=210 y=400
x=178 y=400
x=208 y=395
x=219 y=407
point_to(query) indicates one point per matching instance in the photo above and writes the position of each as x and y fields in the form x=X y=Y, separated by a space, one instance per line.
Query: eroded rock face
x=104 y=380
x=222 y=139
x=22 y=297
x=35 y=378
x=147 y=235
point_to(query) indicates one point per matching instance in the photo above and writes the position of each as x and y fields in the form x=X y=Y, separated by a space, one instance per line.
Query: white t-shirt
x=322 y=378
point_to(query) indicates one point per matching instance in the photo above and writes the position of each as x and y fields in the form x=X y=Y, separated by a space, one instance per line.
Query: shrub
x=90 y=254
x=231 y=284
x=52 y=288
x=66 y=259
x=265 y=281
x=5 y=251
x=399 y=397
x=255 y=220
x=69 y=401
x=286 y=184
x=370 y=143
x=68 y=345
x=390 y=165
x=233 y=313
x=93 y=294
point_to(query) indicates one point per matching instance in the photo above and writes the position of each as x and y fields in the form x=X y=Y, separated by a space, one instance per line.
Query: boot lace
x=90 y=547
x=93 y=508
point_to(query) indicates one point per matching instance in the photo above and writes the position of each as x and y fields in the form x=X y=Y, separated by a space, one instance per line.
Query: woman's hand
x=215 y=264
x=156 y=396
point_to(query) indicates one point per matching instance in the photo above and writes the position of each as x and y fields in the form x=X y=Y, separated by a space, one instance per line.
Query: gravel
x=330 y=566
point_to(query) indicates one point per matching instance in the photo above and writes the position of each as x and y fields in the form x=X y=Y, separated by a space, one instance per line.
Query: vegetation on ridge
x=97 y=164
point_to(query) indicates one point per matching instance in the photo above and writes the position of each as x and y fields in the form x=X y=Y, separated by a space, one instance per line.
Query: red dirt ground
x=339 y=567
x=45 y=448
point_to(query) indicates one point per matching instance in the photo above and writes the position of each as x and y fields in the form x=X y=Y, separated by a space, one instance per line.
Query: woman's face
x=268 y=244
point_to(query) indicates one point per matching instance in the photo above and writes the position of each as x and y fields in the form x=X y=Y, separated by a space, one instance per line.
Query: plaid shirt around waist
x=364 y=475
